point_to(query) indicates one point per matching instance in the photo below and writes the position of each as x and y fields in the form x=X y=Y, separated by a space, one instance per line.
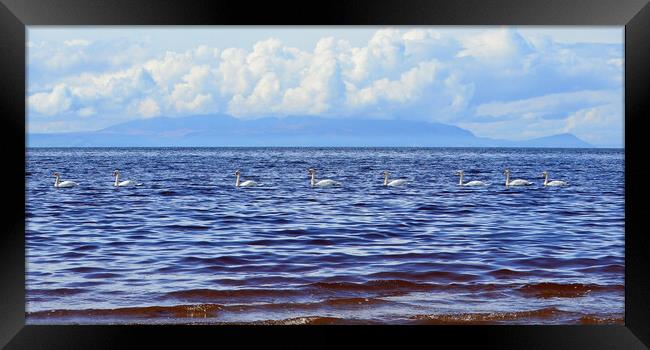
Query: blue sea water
x=187 y=246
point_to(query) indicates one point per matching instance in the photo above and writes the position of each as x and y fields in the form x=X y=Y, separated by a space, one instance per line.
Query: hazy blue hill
x=223 y=130
x=166 y=126
x=567 y=140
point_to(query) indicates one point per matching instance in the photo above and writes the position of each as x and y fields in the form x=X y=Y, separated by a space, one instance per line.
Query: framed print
x=463 y=171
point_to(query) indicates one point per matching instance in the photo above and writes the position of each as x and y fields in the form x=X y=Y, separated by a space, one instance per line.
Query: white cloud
x=598 y=123
x=522 y=128
x=491 y=45
x=263 y=99
x=171 y=68
x=459 y=93
x=148 y=108
x=594 y=116
x=407 y=89
x=77 y=42
x=86 y=112
x=235 y=76
x=319 y=85
x=50 y=103
x=190 y=95
x=65 y=60
x=547 y=104
x=616 y=62
x=50 y=62
x=387 y=46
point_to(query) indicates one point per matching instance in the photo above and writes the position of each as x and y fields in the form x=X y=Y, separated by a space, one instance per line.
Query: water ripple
x=430 y=252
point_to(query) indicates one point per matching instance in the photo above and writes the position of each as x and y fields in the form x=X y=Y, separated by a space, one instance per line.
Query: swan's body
x=321 y=183
x=325 y=183
x=470 y=183
x=248 y=183
x=518 y=182
x=66 y=184
x=554 y=183
x=119 y=183
x=397 y=182
x=59 y=183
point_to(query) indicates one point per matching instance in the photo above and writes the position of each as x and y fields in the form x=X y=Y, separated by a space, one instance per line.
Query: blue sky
x=500 y=82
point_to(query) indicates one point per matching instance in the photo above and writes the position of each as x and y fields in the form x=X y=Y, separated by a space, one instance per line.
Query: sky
x=511 y=83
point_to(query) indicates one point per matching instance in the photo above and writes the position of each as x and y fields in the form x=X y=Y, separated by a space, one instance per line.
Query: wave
x=221 y=261
x=573 y=290
x=56 y=292
x=492 y=317
x=177 y=227
x=87 y=247
x=310 y=320
x=354 y=301
x=612 y=268
x=73 y=255
x=507 y=273
x=167 y=193
x=326 y=304
x=178 y=311
x=594 y=319
x=372 y=286
x=212 y=314
x=86 y=269
x=563 y=263
x=103 y=275
x=428 y=276
x=212 y=294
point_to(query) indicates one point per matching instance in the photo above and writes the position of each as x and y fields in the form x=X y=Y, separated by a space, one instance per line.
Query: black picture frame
x=15 y=15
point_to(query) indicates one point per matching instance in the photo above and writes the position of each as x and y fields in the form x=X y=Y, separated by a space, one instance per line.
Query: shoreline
x=173 y=315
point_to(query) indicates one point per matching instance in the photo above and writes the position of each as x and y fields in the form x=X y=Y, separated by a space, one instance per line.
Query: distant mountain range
x=298 y=131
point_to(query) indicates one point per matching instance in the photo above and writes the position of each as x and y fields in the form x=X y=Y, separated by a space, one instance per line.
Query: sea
x=186 y=246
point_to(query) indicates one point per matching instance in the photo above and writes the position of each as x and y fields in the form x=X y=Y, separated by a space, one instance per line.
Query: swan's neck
x=117 y=179
x=237 y=182
x=385 y=179
x=313 y=179
x=507 y=179
x=545 y=179
x=461 y=179
x=57 y=180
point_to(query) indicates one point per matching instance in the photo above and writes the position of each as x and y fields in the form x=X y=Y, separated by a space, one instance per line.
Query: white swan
x=321 y=183
x=552 y=183
x=59 y=183
x=119 y=183
x=248 y=183
x=471 y=183
x=397 y=182
x=517 y=182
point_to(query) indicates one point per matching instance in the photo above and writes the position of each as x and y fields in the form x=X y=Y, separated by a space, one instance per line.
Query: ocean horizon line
x=318 y=147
